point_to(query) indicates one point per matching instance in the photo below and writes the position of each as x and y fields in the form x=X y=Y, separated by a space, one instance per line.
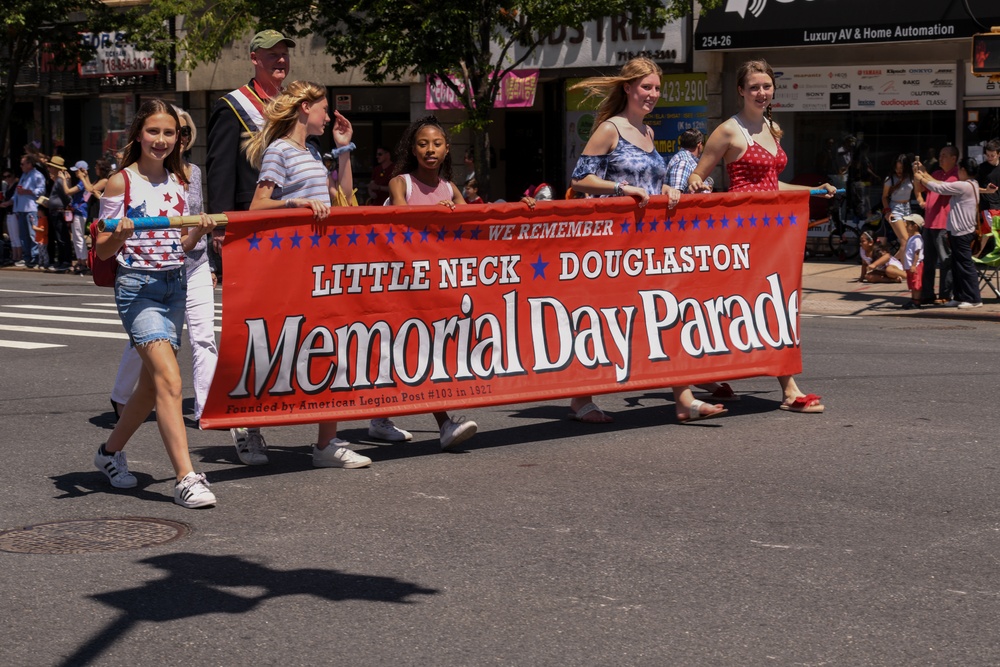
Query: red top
x=756 y=170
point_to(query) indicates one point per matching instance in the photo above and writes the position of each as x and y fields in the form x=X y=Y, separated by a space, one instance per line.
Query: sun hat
x=58 y=162
x=265 y=39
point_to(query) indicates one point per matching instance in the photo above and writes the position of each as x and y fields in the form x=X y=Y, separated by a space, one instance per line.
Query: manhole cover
x=86 y=536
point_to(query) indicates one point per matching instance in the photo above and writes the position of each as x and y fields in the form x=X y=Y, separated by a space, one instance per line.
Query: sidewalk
x=830 y=287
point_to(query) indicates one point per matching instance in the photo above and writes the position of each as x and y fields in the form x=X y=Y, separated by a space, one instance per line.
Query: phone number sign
x=115 y=56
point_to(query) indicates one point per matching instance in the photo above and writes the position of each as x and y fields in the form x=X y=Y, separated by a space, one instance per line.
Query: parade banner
x=383 y=311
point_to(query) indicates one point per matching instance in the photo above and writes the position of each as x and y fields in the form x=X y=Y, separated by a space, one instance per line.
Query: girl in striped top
x=292 y=175
x=150 y=292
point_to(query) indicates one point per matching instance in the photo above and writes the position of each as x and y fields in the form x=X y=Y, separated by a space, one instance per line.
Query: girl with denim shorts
x=151 y=292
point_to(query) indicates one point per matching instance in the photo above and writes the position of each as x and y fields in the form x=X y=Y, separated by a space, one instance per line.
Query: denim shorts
x=151 y=304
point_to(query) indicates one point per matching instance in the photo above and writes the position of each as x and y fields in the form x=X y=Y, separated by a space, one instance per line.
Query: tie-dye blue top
x=626 y=162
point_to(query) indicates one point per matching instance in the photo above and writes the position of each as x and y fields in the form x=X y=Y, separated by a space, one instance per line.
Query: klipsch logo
x=755 y=7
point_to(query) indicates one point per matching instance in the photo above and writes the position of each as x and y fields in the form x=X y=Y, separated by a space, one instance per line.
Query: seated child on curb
x=913 y=258
x=877 y=264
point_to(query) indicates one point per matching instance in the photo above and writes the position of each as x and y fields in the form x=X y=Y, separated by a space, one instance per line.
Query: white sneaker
x=250 y=446
x=336 y=455
x=384 y=429
x=115 y=466
x=456 y=431
x=192 y=491
x=970 y=304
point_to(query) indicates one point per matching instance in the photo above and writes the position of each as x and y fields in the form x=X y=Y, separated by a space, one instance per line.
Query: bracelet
x=620 y=188
x=336 y=152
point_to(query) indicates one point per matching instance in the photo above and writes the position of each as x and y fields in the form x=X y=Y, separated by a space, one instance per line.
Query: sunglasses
x=185 y=131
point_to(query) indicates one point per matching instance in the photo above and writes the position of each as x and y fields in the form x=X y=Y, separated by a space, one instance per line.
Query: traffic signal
x=986 y=53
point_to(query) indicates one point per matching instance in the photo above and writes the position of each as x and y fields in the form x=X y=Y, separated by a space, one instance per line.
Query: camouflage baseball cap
x=265 y=39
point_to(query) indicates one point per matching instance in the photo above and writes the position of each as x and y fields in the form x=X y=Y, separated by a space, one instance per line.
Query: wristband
x=619 y=188
x=336 y=152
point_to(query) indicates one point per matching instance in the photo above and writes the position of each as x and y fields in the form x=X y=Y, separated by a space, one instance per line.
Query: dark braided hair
x=406 y=161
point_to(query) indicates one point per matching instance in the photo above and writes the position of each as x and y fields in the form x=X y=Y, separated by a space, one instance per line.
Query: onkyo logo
x=756 y=7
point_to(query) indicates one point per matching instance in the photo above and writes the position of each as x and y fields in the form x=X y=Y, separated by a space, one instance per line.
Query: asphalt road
x=865 y=536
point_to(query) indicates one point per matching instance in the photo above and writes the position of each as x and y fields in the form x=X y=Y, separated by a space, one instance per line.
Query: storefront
x=893 y=74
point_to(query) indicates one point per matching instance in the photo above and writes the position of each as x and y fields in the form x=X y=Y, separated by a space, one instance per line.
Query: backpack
x=104 y=271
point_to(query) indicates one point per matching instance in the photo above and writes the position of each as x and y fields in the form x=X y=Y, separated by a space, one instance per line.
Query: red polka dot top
x=756 y=170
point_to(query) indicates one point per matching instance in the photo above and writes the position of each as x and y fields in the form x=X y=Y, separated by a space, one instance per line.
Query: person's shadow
x=196 y=584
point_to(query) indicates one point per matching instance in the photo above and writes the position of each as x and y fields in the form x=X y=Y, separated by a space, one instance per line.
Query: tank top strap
x=744 y=130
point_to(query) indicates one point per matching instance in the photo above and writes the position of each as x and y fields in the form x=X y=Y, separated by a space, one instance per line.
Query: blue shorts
x=151 y=304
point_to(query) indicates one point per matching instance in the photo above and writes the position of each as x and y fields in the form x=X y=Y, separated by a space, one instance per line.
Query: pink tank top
x=419 y=194
x=756 y=170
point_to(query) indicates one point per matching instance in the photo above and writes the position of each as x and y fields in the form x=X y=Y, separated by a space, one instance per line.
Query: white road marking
x=65 y=332
x=53 y=318
x=65 y=309
x=24 y=345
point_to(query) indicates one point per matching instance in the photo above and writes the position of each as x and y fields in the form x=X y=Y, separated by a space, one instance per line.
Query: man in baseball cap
x=265 y=39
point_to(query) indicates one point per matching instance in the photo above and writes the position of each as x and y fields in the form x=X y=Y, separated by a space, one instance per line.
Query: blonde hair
x=281 y=114
x=186 y=117
x=758 y=67
x=612 y=88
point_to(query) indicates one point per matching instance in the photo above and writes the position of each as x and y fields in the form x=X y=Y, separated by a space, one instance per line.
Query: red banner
x=382 y=311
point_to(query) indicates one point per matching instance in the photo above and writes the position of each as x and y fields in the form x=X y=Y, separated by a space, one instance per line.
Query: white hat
x=81 y=165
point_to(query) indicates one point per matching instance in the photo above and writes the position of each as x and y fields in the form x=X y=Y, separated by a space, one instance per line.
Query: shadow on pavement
x=195 y=584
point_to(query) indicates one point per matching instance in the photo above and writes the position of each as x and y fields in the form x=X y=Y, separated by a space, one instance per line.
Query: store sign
x=115 y=57
x=517 y=89
x=606 y=42
x=741 y=24
x=865 y=88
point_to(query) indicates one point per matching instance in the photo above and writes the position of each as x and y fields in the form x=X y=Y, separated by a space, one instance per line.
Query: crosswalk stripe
x=24 y=291
x=54 y=318
x=25 y=345
x=64 y=332
x=65 y=309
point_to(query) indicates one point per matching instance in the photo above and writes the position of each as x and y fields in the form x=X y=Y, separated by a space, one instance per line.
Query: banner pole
x=163 y=222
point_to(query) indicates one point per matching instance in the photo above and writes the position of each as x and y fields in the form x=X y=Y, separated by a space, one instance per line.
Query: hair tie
x=336 y=152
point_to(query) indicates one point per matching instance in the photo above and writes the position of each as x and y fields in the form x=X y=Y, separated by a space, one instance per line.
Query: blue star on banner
x=424 y=234
x=696 y=223
x=792 y=220
x=625 y=226
x=753 y=221
x=681 y=223
x=334 y=238
x=539 y=267
x=255 y=241
x=352 y=238
x=710 y=221
x=474 y=233
x=275 y=241
x=638 y=226
x=314 y=238
x=458 y=233
x=372 y=236
x=442 y=233
x=390 y=237
x=652 y=224
x=766 y=220
x=408 y=236
x=778 y=220
x=666 y=224
x=296 y=240
x=739 y=220
x=725 y=222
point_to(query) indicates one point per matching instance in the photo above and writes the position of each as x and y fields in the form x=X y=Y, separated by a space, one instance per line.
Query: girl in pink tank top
x=423 y=178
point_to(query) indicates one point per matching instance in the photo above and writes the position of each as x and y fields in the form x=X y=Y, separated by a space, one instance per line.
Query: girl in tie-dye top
x=620 y=159
x=749 y=143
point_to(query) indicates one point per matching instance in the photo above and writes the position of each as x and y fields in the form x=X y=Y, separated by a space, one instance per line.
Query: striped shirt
x=155 y=250
x=297 y=173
